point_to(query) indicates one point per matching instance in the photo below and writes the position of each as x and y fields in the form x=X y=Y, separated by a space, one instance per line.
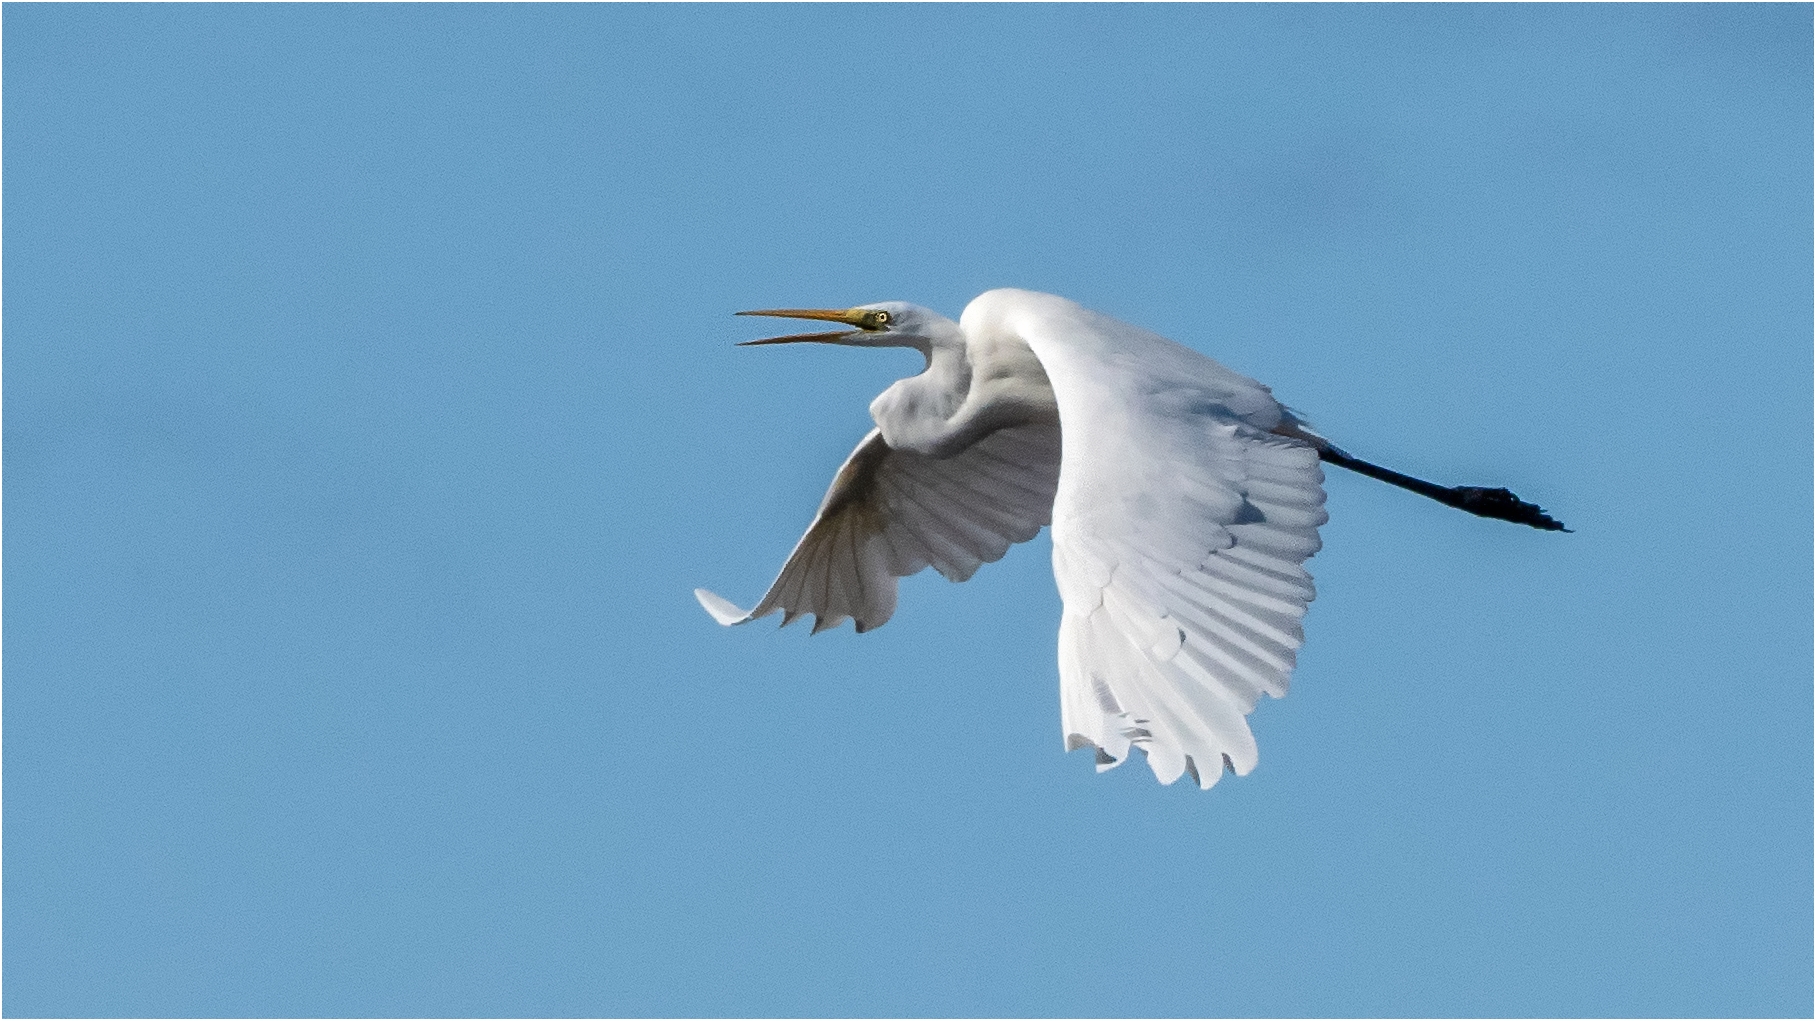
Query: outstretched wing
x=892 y=512
x=1179 y=530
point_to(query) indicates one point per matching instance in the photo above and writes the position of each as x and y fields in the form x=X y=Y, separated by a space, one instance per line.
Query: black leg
x=1487 y=503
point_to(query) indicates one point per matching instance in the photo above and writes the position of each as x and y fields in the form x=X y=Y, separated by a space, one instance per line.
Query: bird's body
x=974 y=385
x=1183 y=498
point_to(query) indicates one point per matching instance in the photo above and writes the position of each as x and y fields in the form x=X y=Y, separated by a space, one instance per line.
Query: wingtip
x=722 y=609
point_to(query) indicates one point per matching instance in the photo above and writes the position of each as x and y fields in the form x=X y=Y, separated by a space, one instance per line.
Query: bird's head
x=883 y=324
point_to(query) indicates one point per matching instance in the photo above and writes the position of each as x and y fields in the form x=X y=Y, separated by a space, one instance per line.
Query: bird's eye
x=880 y=318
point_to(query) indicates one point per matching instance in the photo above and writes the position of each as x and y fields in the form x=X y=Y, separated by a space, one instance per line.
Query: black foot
x=1502 y=504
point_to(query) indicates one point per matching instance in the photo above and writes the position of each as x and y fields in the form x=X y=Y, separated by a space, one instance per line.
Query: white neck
x=916 y=413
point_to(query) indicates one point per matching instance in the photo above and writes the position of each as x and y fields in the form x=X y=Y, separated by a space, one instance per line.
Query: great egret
x=1184 y=501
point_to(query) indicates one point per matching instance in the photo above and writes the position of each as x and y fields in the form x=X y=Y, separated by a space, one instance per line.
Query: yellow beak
x=854 y=317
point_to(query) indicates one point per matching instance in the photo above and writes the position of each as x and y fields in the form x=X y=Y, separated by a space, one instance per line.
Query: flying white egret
x=1184 y=501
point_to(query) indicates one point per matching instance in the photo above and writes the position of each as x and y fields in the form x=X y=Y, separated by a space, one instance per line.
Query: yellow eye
x=880 y=318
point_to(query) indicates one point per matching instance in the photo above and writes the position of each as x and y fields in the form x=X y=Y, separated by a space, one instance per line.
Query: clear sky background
x=371 y=411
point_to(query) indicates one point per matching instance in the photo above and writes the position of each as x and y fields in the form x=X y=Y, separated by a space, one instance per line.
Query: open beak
x=853 y=317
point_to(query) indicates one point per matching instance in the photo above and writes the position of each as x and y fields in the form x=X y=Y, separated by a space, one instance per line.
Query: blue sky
x=371 y=411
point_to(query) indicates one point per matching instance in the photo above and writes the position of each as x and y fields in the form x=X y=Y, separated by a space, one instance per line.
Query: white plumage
x=1184 y=501
x=891 y=513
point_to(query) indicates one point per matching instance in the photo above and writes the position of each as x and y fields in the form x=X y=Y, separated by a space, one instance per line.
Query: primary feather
x=891 y=513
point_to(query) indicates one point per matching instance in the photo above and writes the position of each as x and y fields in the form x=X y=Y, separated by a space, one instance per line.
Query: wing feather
x=1233 y=633
x=1013 y=476
x=950 y=537
x=1180 y=525
x=1227 y=567
x=891 y=513
x=926 y=533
